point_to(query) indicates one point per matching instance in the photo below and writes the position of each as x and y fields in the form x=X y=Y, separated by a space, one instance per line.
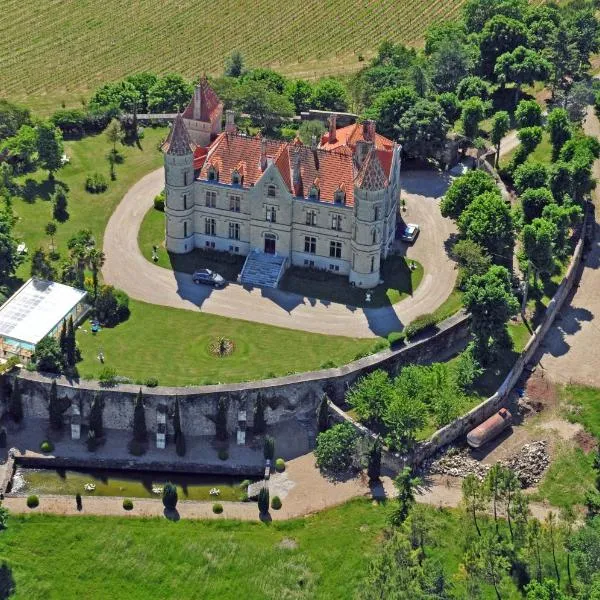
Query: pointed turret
x=371 y=176
x=179 y=141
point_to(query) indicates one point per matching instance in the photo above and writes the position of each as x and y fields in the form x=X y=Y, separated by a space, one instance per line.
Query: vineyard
x=61 y=49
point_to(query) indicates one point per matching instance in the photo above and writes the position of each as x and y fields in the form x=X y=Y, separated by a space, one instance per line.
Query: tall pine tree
x=140 y=433
x=63 y=338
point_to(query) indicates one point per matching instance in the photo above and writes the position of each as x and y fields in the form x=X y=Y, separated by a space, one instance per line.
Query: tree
x=59 y=203
x=310 y=129
x=114 y=134
x=54 y=408
x=404 y=417
x=142 y=82
x=50 y=231
x=265 y=106
x=330 y=94
x=221 y=420
x=234 y=64
x=12 y=117
x=169 y=496
x=323 y=414
x=486 y=560
x=96 y=423
x=115 y=97
x=473 y=497
x=300 y=94
x=15 y=403
x=450 y=105
x=550 y=533
x=260 y=424
x=530 y=138
x=179 y=437
x=70 y=344
x=472 y=87
x=528 y=114
x=559 y=128
x=170 y=93
x=567 y=523
x=548 y=590
x=473 y=111
x=500 y=127
x=389 y=107
x=530 y=174
x=488 y=222
x=405 y=484
x=472 y=260
x=491 y=303
x=112 y=306
x=41 y=267
x=534 y=539
x=9 y=257
x=374 y=460
x=140 y=433
x=422 y=129
x=521 y=67
x=263 y=500
x=62 y=340
x=500 y=35
x=269 y=448
x=371 y=396
x=450 y=63
x=585 y=547
x=493 y=484
x=95 y=259
x=49 y=147
x=47 y=356
x=419 y=80
x=533 y=202
x=272 y=80
x=21 y=149
x=538 y=245
x=468 y=369
x=335 y=449
x=463 y=190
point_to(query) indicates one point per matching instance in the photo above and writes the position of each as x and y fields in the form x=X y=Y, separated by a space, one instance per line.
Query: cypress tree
x=169 y=496
x=140 y=433
x=63 y=338
x=323 y=414
x=179 y=437
x=55 y=413
x=221 y=420
x=263 y=500
x=96 y=422
x=15 y=406
x=260 y=423
x=71 y=348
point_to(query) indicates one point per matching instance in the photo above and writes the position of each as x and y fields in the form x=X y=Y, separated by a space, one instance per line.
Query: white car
x=410 y=233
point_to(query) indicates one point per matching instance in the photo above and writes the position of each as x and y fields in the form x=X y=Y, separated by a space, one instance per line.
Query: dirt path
x=569 y=352
x=126 y=268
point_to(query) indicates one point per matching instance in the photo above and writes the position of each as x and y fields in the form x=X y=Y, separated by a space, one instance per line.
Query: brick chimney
x=263 y=154
x=332 y=128
x=369 y=130
x=230 y=121
x=197 y=102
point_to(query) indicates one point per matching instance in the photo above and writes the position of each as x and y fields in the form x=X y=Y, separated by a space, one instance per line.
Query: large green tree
x=335 y=448
x=371 y=396
x=422 y=129
x=171 y=93
x=389 y=107
x=49 y=146
x=500 y=127
x=521 y=67
x=463 y=190
x=500 y=35
x=538 y=245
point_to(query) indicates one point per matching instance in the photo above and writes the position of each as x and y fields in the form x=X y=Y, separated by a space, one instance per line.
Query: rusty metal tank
x=490 y=428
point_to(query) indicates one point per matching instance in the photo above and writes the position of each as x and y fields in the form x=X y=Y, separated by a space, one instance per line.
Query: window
x=235 y=249
x=353 y=260
x=310 y=245
x=334 y=267
x=271 y=214
x=185 y=202
x=374 y=236
x=234 y=231
x=372 y=263
x=209 y=226
x=185 y=178
x=339 y=197
x=311 y=217
x=314 y=193
x=213 y=174
x=185 y=229
x=335 y=249
x=211 y=199
x=234 y=203
x=235 y=178
x=271 y=191
x=376 y=214
x=210 y=244
x=336 y=222
x=309 y=263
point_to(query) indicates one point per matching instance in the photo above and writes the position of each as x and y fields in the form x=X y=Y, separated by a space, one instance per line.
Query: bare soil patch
x=586 y=441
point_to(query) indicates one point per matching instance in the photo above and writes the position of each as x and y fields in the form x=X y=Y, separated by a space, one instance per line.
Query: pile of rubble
x=528 y=464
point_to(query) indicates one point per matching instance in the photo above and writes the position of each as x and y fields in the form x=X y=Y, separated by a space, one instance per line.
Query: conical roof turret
x=179 y=141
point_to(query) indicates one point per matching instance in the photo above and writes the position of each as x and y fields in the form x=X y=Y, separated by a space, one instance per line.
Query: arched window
x=271 y=191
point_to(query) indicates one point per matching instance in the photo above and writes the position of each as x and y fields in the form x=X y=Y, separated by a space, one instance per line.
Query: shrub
x=419 y=325
x=244 y=497
x=127 y=504
x=336 y=448
x=108 y=376
x=280 y=465
x=223 y=454
x=169 y=496
x=151 y=382
x=46 y=446
x=3 y=438
x=396 y=338
x=159 y=201
x=217 y=508
x=96 y=183
x=276 y=503
x=244 y=485
x=112 y=306
x=33 y=501
x=78 y=502
x=269 y=448
x=263 y=500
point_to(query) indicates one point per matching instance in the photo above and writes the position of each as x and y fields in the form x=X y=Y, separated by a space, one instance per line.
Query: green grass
x=55 y=53
x=568 y=478
x=450 y=306
x=542 y=153
x=584 y=407
x=173 y=345
x=91 y=211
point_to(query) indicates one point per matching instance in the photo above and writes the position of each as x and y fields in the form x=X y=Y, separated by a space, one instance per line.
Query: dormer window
x=314 y=193
x=213 y=174
x=236 y=178
x=339 y=196
x=271 y=191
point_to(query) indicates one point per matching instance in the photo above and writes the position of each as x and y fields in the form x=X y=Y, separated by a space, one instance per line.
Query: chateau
x=331 y=205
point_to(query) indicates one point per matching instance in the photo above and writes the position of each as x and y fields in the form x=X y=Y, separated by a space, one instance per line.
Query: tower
x=179 y=189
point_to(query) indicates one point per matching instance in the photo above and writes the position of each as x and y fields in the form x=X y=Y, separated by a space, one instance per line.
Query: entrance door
x=269 y=244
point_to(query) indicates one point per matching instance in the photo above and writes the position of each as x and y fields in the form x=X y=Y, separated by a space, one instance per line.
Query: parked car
x=409 y=233
x=208 y=277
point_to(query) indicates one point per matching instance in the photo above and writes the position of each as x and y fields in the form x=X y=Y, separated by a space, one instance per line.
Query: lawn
x=173 y=345
x=584 y=407
x=57 y=53
x=542 y=153
x=90 y=211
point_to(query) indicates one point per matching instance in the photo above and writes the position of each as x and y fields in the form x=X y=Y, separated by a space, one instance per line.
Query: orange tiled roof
x=348 y=136
x=210 y=103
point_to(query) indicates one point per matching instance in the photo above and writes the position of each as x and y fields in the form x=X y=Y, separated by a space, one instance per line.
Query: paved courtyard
x=126 y=268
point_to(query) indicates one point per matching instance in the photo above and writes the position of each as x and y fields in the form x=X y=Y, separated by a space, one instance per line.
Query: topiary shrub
x=280 y=465
x=223 y=454
x=169 y=496
x=263 y=500
x=96 y=183
x=46 y=446
x=127 y=504
x=32 y=501
x=217 y=508
x=276 y=503
x=159 y=201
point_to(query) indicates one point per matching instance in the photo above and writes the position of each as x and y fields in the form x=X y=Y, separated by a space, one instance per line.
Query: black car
x=208 y=277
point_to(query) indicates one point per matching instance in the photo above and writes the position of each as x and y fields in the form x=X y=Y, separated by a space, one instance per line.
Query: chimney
x=197 y=102
x=369 y=130
x=230 y=121
x=332 y=128
x=263 y=153
x=313 y=142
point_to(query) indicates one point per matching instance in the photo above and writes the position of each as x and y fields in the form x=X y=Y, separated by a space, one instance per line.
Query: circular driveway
x=127 y=269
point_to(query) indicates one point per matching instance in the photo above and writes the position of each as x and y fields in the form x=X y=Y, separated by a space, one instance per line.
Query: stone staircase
x=263 y=270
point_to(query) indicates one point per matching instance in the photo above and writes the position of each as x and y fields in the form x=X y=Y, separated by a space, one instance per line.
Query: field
x=54 y=52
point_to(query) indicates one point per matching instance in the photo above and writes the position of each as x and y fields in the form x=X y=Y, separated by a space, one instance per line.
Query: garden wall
x=287 y=397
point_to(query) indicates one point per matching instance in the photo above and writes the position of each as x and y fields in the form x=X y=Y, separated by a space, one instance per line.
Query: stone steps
x=262 y=270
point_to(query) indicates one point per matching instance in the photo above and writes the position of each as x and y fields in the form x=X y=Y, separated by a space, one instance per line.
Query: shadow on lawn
x=33 y=190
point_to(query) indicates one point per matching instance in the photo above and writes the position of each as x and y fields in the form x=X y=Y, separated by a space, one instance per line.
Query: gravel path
x=126 y=268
